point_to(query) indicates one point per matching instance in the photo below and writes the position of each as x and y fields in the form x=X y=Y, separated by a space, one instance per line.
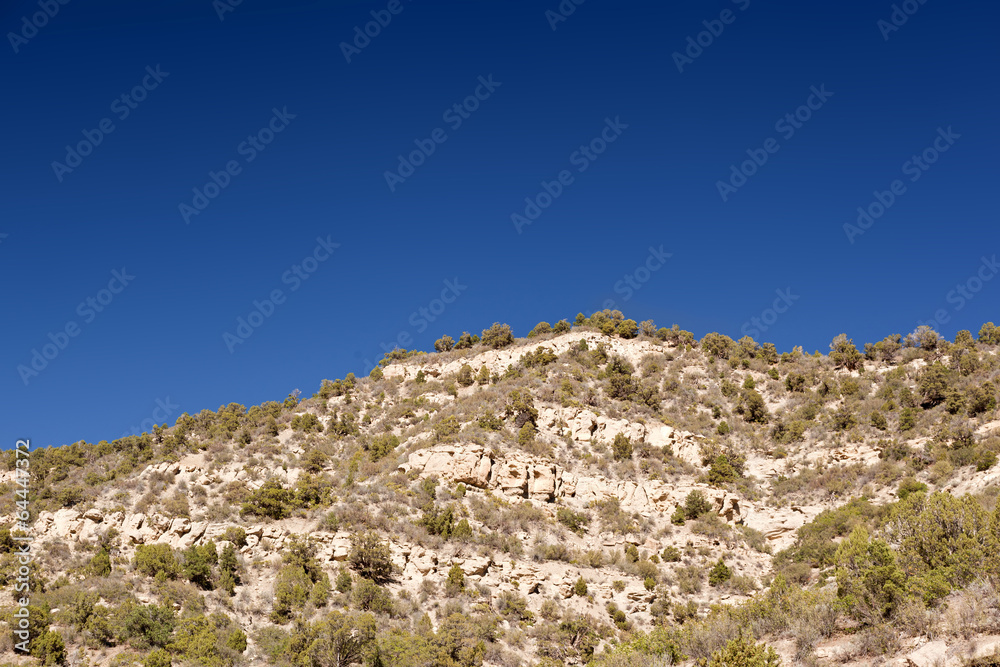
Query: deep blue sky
x=161 y=337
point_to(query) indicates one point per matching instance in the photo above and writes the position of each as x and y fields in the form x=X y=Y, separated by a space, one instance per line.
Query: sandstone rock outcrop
x=522 y=476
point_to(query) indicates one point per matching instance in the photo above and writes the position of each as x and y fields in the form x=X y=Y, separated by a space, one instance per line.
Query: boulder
x=511 y=477
x=477 y=566
x=423 y=561
x=66 y=522
x=542 y=482
x=466 y=464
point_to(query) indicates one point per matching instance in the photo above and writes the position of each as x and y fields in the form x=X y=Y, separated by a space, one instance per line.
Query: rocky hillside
x=602 y=492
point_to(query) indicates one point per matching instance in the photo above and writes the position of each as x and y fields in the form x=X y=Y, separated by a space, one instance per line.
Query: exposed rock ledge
x=520 y=475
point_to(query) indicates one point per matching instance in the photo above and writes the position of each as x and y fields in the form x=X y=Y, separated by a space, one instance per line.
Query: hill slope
x=606 y=493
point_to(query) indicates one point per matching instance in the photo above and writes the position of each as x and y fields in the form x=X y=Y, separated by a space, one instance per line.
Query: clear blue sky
x=268 y=93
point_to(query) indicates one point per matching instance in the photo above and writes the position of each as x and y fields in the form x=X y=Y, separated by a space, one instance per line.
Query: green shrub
x=438 y=521
x=447 y=427
x=869 y=582
x=844 y=354
x=787 y=432
x=49 y=648
x=719 y=573
x=306 y=423
x=907 y=419
x=521 y=405
x=143 y=626
x=444 y=343
x=498 y=336
x=943 y=542
x=489 y=422
x=718 y=346
x=465 y=341
x=236 y=535
x=879 y=421
x=577 y=522
x=339 y=639
x=816 y=541
x=213 y=641
x=909 y=485
x=512 y=605
x=689 y=579
x=617 y=615
x=685 y=612
x=540 y=329
x=538 y=358
x=344 y=581
x=371 y=557
x=795 y=382
x=933 y=384
x=752 y=407
x=271 y=500
x=671 y=554
x=621 y=448
x=320 y=593
x=696 y=504
x=229 y=570
x=981 y=399
x=843 y=419
x=100 y=564
x=382 y=445
x=743 y=651
x=722 y=471
x=291 y=592
x=198 y=562
x=622 y=385
x=369 y=596
x=455 y=583
x=526 y=434
x=465 y=377
x=157 y=560
x=157 y=658
x=627 y=329
x=613 y=518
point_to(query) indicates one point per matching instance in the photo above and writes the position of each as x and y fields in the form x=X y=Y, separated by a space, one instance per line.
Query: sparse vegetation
x=459 y=477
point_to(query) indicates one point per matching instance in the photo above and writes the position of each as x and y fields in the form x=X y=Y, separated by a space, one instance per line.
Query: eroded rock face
x=522 y=476
x=468 y=464
x=583 y=425
x=779 y=524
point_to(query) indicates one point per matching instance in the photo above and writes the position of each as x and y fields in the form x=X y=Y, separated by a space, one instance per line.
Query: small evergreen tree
x=621 y=448
x=444 y=344
x=370 y=557
x=498 y=336
x=456 y=580
x=719 y=573
x=540 y=329
x=742 y=651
